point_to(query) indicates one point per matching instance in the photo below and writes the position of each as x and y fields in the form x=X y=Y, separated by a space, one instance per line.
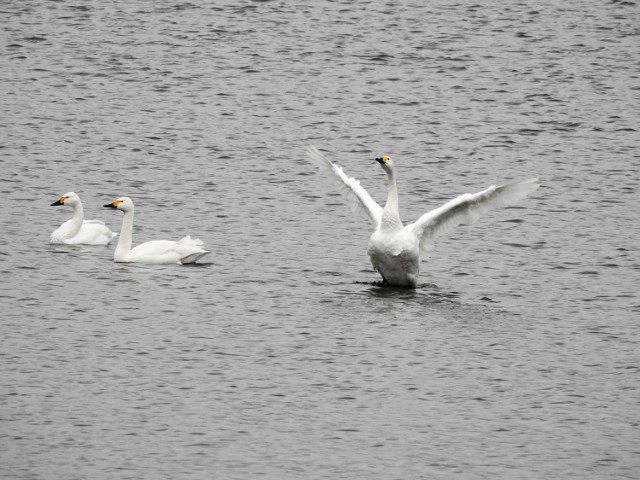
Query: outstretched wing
x=467 y=208
x=360 y=199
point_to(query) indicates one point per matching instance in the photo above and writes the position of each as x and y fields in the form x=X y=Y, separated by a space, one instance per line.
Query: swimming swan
x=186 y=250
x=77 y=230
x=395 y=249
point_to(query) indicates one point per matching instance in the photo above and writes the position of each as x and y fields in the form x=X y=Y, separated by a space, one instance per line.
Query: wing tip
x=318 y=158
x=521 y=188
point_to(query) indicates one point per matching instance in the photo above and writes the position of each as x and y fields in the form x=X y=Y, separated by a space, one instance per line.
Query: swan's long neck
x=126 y=237
x=391 y=213
x=77 y=219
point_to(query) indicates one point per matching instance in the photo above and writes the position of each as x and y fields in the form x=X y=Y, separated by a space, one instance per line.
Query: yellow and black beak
x=382 y=160
x=112 y=205
x=59 y=202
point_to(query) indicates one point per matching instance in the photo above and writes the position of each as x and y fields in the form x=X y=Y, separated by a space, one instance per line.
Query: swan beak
x=112 y=205
x=59 y=202
x=382 y=160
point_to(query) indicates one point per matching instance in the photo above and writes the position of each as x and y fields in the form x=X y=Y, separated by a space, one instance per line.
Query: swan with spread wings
x=396 y=249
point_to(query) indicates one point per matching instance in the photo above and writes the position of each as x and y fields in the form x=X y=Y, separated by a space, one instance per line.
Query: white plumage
x=395 y=249
x=185 y=250
x=77 y=230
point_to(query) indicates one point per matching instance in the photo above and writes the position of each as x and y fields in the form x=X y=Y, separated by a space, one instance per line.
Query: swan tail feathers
x=191 y=258
x=191 y=249
x=193 y=242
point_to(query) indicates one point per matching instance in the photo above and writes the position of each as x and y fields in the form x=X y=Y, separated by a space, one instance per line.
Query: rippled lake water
x=279 y=356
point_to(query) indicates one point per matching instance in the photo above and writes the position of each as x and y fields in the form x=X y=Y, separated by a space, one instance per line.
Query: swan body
x=77 y=230
x=185 y=250
x=395 y=249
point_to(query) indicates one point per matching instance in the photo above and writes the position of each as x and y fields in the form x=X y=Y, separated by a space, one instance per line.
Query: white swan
x=395 y=249
x=79 y=231
x=186 y=250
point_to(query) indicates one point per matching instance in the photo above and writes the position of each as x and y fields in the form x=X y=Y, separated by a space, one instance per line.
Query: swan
x=186 y=250
x=395 y=249
x=77 y=230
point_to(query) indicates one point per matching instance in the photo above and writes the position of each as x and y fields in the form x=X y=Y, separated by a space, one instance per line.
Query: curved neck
x=77 y=219
x=126 y=236
x=391 y=213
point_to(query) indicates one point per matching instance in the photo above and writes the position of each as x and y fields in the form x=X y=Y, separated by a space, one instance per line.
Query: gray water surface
x=279 y=356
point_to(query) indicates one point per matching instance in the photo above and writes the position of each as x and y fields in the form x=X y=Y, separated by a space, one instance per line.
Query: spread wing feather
x=360 y=200
x=467 y=208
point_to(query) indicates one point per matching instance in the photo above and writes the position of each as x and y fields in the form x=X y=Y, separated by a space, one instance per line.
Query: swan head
x=385 y=162
x=123 y=203
x=70 y=199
